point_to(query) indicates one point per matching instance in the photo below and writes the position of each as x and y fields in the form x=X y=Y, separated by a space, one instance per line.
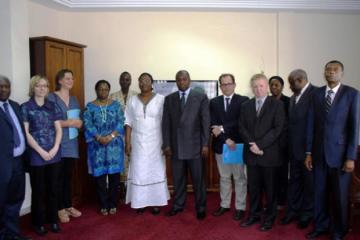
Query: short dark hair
x=227 y=75
x=277 y=78
x=336 y=62
x=146 y=74
x=182 y=72
x=6 y=79
x=97 y=85
x=122 y=75
x=60 y=75
x=298 y=72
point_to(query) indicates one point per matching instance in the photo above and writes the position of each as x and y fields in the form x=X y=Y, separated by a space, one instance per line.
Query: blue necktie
x=227 y=103
x=328 y=100
x=15 y=132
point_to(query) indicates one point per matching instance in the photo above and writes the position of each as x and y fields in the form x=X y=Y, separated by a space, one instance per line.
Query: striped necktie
x=328 y=100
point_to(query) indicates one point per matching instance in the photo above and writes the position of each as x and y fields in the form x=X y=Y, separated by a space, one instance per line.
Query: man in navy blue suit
x=301 y=184
x=332 y=142
x=12 y=176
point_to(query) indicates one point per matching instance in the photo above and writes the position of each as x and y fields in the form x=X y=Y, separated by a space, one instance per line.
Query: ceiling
x=322 y=5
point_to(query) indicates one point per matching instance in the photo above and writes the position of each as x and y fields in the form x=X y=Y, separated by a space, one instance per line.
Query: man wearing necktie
x=12 y=175
x=225 y=114
x=262 y=120
x=301 y=184
x=332 y=142
x=185 y=129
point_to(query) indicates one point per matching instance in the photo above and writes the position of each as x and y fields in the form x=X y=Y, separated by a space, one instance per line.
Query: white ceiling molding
x=332 y=5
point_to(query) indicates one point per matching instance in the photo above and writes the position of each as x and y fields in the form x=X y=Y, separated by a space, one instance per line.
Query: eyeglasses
x=226 y=84
x=41 y=85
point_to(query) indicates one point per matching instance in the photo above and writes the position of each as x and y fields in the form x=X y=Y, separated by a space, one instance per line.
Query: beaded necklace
x=103 y=111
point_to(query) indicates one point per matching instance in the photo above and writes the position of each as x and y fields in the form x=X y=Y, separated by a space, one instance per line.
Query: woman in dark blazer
x=276 y=84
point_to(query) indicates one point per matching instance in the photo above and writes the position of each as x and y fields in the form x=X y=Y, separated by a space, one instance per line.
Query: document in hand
x=233 y=156
x=73 y=114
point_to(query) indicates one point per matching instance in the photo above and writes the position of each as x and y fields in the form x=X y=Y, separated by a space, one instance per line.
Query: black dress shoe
x=220 y=211
x=40 y=230
x=266 y=226
x=140 y=210
x=304 y=223
x=155 y=211
x=173 y=212
x=287 y=219
x=201 y=215
x=315 y=234
x=239 y=214
x=250 y=221
x=55 y=228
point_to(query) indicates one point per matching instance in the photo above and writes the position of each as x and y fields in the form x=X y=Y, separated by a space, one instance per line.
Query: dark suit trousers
x=108 y=193
x=179 y=172
x=331 y=193
x=66 y=169
x=262 y=179
x=12 y=195
x=44 y=197
x=301 y=191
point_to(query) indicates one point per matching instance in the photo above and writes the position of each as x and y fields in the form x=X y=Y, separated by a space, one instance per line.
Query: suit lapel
x=263 y=107
x=338 y=95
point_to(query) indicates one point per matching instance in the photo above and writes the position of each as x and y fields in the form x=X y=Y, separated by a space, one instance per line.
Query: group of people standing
x=315 y=131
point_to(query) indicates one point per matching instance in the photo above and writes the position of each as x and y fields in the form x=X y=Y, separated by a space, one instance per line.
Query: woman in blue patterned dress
x=104 y=131
x=43 y=133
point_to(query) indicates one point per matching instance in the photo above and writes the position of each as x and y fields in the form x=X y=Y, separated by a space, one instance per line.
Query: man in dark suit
x=12 y=175
x=186 y=127
x=301 y=184
x=332 y=142
x=225 y=115
x=262 y=120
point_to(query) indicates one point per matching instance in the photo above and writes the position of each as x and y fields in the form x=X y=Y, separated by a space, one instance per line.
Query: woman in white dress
x=147 y=183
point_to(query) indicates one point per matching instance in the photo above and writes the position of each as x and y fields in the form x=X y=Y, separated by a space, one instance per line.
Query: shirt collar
x=335 y=89
x=304 y=88
x=231 y=96
x=46 y=105
x=261 y=98
x=187 y=91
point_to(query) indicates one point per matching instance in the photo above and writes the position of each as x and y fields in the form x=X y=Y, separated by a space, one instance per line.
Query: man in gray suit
x=186 y=127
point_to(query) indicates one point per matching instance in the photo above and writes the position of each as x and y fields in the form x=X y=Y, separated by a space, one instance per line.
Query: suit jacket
x=298 y=114
x=7 y=142
x=264 y=130
x=188 y=131
x=229 y=120
x=334 y=136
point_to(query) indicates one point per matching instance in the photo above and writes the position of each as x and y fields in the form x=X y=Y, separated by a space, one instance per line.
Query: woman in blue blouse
x=70 y=123
x=104 y=131
x=43 y=133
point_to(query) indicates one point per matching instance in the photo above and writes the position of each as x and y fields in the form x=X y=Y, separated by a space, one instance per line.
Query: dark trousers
x=301 y=191
x=282 y=181
x=108 y=192
x=44 y=197
x=262 y=179
x=65 y=177
x=12 y=193
x=331 y=194
x=179 y=171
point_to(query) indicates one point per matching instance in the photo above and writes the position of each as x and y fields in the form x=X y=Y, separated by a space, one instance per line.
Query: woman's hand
x=45 y=155
x=53 y=151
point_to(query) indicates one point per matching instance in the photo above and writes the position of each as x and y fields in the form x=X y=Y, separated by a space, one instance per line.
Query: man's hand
x=255 y=149
x=216 y=130
x=308 y=162
x=167 y=152
x=231 y=144
x=349 y=166
x=205 y=152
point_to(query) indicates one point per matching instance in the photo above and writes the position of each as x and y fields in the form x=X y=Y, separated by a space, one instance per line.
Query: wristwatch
x=112 y=135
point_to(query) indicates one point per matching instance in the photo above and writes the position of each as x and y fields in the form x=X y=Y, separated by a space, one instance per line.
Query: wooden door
x=55 y=55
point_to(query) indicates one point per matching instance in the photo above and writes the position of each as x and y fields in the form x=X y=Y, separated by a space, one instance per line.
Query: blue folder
x=73 y=114
x=233 y=156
